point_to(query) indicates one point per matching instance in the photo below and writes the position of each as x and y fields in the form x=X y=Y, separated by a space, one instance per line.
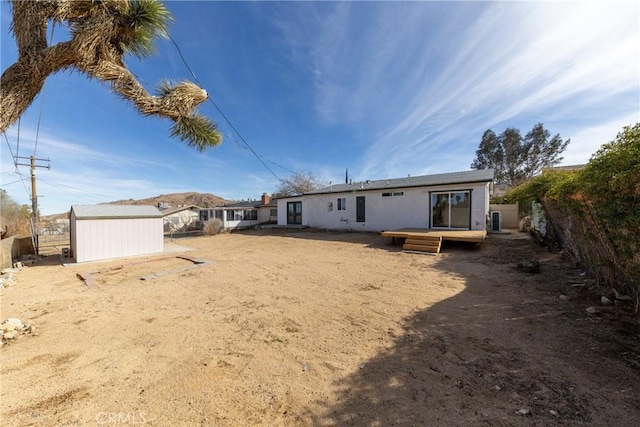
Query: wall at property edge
x=12 y=248
x=510 y=214
x=7 y=251
x=384 y=213
x=97 y=239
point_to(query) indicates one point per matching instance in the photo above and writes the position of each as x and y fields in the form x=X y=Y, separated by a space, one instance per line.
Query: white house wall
x=97 y=239
x=384 y=213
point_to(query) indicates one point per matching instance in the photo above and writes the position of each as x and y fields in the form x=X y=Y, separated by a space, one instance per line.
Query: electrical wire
x=9 y=145
x=15 y=159
x=259 y=157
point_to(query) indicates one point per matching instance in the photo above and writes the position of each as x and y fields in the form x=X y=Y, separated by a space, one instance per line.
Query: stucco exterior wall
x=264 y=214
x=384 y=213
x=98 y=239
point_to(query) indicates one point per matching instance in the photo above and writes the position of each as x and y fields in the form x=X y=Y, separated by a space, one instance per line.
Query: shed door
x=360 y=210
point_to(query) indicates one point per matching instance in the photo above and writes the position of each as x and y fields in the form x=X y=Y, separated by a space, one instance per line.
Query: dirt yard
x=319 y=328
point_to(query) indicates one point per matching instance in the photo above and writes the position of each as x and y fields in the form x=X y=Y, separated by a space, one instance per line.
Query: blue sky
x=385 y=89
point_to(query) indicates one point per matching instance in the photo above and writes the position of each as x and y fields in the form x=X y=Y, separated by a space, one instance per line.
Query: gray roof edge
x=478 y=175
x=107 y=211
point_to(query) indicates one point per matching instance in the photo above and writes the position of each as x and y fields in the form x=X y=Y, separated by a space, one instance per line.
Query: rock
x=497 y=387
x=554 y=413
x=605 y=301
x=529 y=266
x=13 y=323
x=620 y=297
x=563 y=298
x=594 y=310
x=9 y=335
x=523 y=411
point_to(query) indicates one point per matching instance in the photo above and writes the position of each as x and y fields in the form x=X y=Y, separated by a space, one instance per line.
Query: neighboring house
x=182 y=218
x=267 y=210
x=456 y=201
x=113 y=231
x=242 y=214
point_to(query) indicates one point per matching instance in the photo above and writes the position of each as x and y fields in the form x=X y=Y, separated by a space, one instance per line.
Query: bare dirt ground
x=319 y=328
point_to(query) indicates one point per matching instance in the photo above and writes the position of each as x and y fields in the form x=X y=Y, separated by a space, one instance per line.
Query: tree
x=101 y=33
x=298 y=184
x=14 y=218
x=515 y=158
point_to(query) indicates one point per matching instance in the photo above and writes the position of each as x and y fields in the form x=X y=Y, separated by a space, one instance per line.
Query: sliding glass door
x=451 y=209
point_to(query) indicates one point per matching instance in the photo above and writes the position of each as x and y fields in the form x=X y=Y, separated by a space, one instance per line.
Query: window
x=273 y=212
x=250 y=215
x=231 y=215
x=393 y=194
x=342 y=203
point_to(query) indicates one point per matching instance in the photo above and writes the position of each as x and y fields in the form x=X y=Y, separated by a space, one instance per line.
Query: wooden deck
x=477 y=236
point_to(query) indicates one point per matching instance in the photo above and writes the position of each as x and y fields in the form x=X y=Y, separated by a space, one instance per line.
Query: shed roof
x=115 y=211
x=481 y=175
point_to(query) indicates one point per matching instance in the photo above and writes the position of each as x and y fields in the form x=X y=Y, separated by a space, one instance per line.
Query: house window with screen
x=342 y=203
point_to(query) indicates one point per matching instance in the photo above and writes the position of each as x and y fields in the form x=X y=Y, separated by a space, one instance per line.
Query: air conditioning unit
x=496 y=221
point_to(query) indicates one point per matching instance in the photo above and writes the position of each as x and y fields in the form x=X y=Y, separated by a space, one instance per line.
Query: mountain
x=203 y=200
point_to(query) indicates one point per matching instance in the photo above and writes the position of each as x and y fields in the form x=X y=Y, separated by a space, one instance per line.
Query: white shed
x=114 y=231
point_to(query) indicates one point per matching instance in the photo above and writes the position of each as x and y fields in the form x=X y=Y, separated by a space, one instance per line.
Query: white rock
x=605 y=301
x=17 y=323
x=9 y=335
x=554 y=413
x=593 y=310
x=563 y=298
x=523 y=411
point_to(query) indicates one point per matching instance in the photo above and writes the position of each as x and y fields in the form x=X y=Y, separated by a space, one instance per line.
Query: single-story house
x=455 y=201
x=181 y=218
x=113 y=231
x=243 y=214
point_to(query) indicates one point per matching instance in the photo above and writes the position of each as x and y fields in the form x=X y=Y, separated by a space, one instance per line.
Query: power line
x=259 y=157
x=10 y=149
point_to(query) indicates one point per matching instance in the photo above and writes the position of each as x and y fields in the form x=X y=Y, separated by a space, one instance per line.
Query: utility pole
x=34 y=195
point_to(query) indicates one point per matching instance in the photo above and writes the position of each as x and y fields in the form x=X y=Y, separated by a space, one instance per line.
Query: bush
x=597 y=209
x=213 y=227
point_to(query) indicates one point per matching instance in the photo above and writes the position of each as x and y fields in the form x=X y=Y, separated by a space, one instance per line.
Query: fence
x=510 y=214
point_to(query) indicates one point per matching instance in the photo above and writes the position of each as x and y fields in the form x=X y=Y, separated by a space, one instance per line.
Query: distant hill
x=203 y=200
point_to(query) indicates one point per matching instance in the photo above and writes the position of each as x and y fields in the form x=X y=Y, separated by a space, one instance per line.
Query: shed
x=101 y=232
